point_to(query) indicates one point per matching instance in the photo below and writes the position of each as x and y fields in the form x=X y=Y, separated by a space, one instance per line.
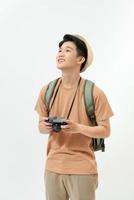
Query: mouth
x=60 y=60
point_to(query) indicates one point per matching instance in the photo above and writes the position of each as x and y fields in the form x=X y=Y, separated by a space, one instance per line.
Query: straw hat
x=90 y=53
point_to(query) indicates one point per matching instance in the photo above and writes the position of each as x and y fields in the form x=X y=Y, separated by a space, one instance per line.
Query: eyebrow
x=67 y=47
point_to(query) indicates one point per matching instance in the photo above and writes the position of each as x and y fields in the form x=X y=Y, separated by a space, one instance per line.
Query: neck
x=70 y=80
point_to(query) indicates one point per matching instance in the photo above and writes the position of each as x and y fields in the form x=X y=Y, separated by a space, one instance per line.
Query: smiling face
x=67 y=58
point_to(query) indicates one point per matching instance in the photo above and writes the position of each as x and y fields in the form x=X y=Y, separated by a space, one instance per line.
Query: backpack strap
x=98 y=143
x=89 y=103
x=50 y=91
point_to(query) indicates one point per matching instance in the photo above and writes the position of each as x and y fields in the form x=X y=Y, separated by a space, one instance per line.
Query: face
x=67 y=57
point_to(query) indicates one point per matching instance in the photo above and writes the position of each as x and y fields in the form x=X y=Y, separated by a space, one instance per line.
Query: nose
x=61 y=54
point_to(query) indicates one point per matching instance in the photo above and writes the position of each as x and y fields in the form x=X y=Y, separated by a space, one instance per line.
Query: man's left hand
x=71 y=127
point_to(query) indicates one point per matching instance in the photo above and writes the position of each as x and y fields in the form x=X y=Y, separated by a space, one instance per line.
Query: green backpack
x=97 y=143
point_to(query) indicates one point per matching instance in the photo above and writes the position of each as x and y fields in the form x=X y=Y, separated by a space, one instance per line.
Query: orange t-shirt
x=72 y=153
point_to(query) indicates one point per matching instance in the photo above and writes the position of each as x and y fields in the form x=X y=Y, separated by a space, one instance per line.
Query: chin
x=61 y=67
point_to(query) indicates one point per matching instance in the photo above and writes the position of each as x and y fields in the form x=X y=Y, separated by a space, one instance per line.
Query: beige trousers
x=70 y=186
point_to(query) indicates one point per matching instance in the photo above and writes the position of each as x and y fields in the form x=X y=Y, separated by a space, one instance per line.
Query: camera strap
x=72 y=100
x=55 y=95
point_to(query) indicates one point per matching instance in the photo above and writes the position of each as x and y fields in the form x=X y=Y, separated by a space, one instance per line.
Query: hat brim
x=90 y=53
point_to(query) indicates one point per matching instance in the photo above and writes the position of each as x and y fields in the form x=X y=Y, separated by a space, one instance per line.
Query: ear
x=81 y=60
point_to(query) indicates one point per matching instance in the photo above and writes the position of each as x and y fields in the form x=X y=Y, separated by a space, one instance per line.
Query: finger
x=65 y=127
x=68 y=122
x=48 y=124
x=49 y=129
x=43 y=119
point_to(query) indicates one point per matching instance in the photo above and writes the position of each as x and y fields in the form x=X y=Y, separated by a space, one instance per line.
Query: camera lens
x=56 y=127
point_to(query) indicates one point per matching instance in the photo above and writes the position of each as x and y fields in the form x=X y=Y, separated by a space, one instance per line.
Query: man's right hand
x=44 y=127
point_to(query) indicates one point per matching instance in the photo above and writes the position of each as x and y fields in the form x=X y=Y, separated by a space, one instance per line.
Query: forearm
x=95 y=131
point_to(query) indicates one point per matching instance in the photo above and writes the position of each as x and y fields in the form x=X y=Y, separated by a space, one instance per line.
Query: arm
x=100 y=131
x=40 y=108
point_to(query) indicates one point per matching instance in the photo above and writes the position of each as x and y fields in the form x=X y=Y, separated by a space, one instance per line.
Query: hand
x=71 y=127
x=46 y=126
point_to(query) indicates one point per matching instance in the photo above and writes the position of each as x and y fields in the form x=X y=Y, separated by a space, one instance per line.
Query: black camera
x=56 y=123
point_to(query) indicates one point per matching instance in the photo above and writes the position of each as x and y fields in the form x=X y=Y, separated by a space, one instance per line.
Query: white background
x=29 y=36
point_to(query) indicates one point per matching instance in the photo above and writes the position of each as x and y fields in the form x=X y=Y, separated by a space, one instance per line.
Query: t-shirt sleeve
x=103 y=110
x=40 y=106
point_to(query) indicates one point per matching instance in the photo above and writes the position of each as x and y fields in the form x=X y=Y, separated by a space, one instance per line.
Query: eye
x=59 y=50
x=67 y=50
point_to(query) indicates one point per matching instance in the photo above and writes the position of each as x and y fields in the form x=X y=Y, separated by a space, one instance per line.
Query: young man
x=71 y=168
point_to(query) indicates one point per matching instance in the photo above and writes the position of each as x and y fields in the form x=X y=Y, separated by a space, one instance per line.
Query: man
x=71 y=168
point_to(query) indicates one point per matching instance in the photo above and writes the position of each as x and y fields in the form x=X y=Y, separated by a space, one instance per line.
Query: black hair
x=80 y=47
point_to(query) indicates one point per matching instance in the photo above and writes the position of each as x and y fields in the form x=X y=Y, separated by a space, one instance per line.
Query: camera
x=56 y=123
